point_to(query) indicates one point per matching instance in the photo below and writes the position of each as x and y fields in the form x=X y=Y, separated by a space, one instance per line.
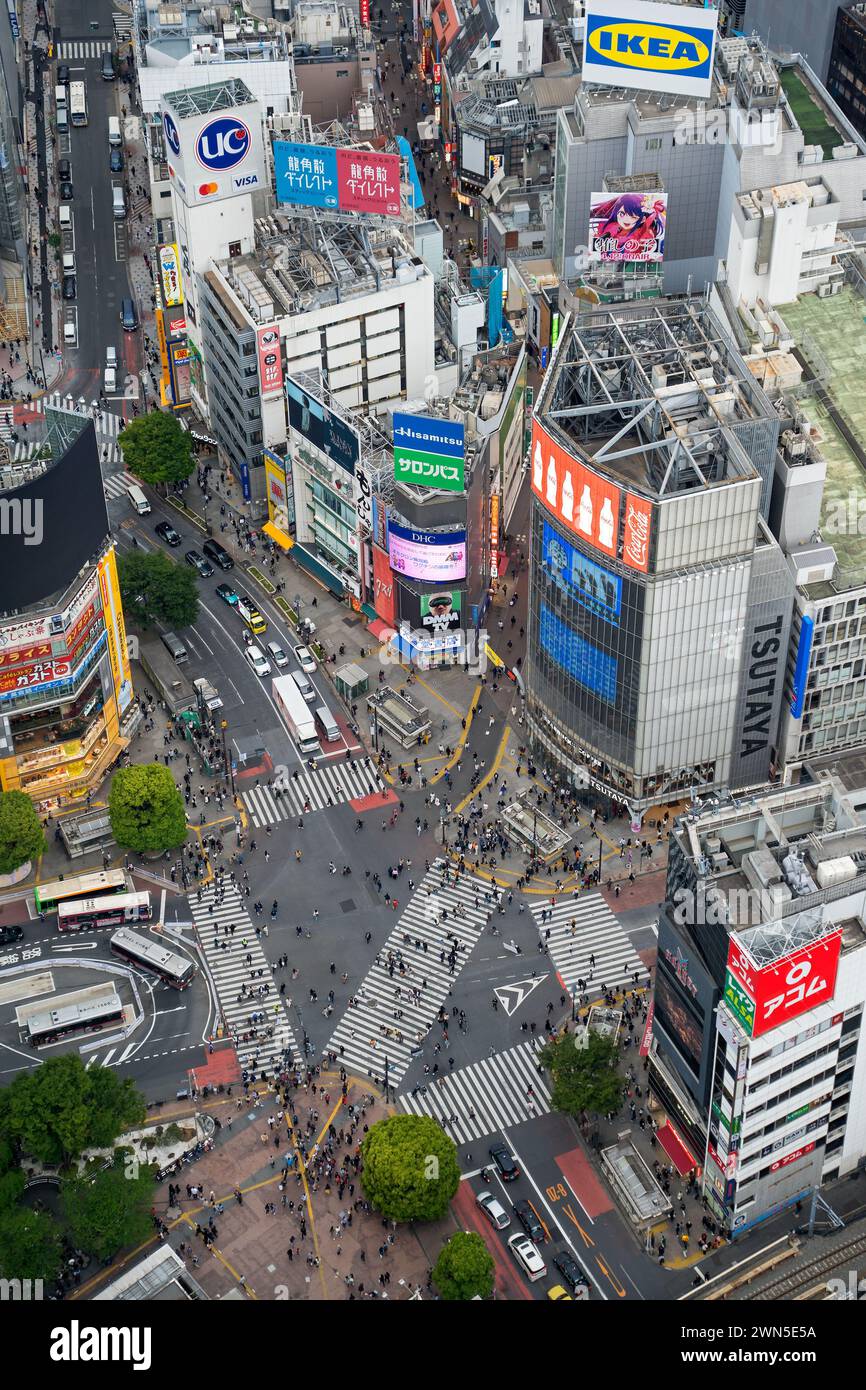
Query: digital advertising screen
x=435 y=557
x=593 y=587
x=628 y=226
x=590 y=667
x=322 y=428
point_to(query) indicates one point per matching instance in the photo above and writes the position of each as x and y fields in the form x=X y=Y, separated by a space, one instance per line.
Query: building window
x=342 y=72
x=234 y=248
x=653 y=143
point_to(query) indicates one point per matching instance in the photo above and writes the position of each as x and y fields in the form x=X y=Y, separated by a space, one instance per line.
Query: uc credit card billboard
x=656 y=47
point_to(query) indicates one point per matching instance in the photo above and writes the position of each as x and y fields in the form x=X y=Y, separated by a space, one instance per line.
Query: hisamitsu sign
x=657 y=47
x=429 y=452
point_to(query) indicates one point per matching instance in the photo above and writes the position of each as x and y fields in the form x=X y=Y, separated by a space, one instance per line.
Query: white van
x=118 y=202
x=59 y=97
x=114 y=135
x=69 y=333
x=328 y=724
x=111 y=357
x=65 y=217
x=109 y=383
x=304 y=686
x=138 y=499
x=68 y=263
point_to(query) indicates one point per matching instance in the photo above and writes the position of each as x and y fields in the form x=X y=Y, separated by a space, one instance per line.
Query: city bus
x=60 y=890
x=115 y=911
x=77 y=103
x=150 y=954
x=49 y=1025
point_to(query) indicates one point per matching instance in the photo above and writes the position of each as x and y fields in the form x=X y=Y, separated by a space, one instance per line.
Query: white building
x=784 y=242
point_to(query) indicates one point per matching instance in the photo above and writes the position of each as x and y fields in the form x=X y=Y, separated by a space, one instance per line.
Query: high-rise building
x=846 y=70
x=14 y=272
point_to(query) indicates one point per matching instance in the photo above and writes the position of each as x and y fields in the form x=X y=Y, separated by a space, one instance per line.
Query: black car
x=571 y=1272
x=66 y=191
x=64 y=169
x=10 y=934
x=62 y=74
x=525 y=1214
x=167 y=533
x=69 y=287
x=198 y=562
x=115 y=161
x=227 y=594
x=505 y=1162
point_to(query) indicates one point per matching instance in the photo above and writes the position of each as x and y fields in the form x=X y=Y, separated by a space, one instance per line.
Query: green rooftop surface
x=816 y=129
x=838 y=328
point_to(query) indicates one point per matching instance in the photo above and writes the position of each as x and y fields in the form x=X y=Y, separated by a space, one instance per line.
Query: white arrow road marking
x=512 y=996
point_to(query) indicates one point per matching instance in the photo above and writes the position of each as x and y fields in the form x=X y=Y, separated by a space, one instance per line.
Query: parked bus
x=150 y=954
x=82 y=913
x=52 y=1024
x=60 y=890
x=78 y=103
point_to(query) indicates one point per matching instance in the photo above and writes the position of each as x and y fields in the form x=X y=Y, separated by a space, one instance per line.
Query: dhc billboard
x=654 y=47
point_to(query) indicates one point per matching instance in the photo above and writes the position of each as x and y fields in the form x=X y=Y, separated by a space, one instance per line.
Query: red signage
x=585 y=502
x=368 y=182
x=636 y=532
x=791 y=1158
x=384 y=597
x=35 y=652
x=364 y=11
x=789 y=987
x=42 y=673
x=270 y=364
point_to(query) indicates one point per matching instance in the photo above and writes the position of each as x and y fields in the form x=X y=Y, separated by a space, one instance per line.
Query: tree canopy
x=146 y=809
x=156 y=449
x=108 y=1210
x=154 y=587
x=21 y=833
x=410 y=1168
x=464 y=1268
x=585 y=1079
x=61 y=1109
x=30 y=1245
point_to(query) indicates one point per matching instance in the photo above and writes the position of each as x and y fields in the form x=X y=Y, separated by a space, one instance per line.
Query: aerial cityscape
x=432 y=658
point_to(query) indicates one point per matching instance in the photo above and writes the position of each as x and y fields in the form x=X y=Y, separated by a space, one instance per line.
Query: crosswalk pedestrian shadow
x=499 y=1091
x=331 y=784
x=586 y=942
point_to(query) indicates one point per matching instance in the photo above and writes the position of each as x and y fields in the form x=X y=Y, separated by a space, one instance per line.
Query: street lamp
x=224 y=725
x=443 y=820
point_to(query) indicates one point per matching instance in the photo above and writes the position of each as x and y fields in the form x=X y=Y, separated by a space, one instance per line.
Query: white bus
x=150 y=954
x=78 y=103
x=297 y=715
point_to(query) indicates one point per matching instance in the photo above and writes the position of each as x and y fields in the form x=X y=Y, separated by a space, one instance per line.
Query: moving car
x=62 y=73
x=505 y=1162
x=571 y=1271
x=251 y=615
x=493 y=1210
x=558 y=1295
x=256 y=657
x=67 y=192
x=220 y=556
x=69 y=287
x=226 y=593
x=64 y=169
x=10 y=934
x=527 y=1256
x=115 y=160
x=276 y=653
x=305 y=659
x=167 y=533
x=528 y=1219
x=198 y=562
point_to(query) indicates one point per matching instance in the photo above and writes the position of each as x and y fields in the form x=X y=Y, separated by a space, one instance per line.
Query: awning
x=675 y=1148
x=277 y=536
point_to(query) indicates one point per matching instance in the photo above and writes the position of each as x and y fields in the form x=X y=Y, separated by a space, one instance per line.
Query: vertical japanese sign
x=270 y=365
x=368 y=182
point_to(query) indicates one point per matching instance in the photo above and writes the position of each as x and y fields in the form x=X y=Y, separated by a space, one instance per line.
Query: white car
x=306 y=660
x=527 y=1256
x=493 y=1210
x=277 y=655
x=258 y=661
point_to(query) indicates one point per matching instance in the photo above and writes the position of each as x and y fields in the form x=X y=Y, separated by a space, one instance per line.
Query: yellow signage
x=112 y=610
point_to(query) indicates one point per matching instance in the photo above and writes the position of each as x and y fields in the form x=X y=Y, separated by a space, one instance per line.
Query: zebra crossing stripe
x=118 y=484
x=84 y=48
x=582 y=928
x=331 y=784
x=381 y=1026
x=229 y=970
x=487 y=1096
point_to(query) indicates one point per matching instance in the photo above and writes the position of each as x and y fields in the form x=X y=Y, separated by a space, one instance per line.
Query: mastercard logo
x=206 y=189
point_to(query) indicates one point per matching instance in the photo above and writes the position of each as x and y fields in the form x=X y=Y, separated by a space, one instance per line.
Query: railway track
x=804 y=1282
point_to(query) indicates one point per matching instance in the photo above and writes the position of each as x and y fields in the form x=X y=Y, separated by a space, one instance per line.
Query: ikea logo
x=656 y=48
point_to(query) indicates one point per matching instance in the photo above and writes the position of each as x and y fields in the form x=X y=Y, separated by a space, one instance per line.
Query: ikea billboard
x=655 y=47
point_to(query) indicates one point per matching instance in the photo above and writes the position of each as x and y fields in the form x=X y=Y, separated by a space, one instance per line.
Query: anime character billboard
x=628 y=226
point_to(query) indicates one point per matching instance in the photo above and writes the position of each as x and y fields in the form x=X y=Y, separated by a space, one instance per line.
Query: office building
x=846 y=71
x=788 y=26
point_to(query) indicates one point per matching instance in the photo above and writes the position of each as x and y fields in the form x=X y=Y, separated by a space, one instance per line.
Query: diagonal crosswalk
x=395 y=1007
x=118 y=484
x=486 y=1096
x=586 y=942
x=226 y=955
x=331 y=784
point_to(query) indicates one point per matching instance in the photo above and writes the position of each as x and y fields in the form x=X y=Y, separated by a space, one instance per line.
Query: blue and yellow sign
x=660 y=47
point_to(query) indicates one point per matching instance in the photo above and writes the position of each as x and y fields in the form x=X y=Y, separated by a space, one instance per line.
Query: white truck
x=296 y=715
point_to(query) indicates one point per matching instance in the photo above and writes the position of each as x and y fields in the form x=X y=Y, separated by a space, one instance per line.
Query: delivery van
x=114 y=135
x=68 y=263
x=65 y=217
x=70 y=336
x=118 y=202
x=61 y=119
x=175 y=647
x=59 y=96
x=328 y=724
x=138 y=499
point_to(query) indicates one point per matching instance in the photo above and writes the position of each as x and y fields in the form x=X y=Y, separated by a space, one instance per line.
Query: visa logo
x=246 y=181
x=650 y=47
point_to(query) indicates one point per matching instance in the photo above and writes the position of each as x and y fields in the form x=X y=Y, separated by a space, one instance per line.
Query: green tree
x=464 y=1268
x=154 y=587
x=109 y=1210
x=146 y=809
x=410 y=1168
x=21 y=833
x=56 y=1112
x=585 y=1079
x=29 y=1244
x=156 y=449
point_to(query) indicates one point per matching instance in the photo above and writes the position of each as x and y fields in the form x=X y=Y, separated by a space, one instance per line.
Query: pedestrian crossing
x=586 y=942
x=487 y=1096
x=331 y=784
x=122 y=26
x=395 y=1007
x=108 y=424
x=83 y=48
x=140 y=202
x=229 y=969
x=118 y=484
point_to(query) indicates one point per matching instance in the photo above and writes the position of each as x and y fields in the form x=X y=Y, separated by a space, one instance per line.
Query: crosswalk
x=586 y=942
x=393 y=1010
x=122 y=26
x=108 y=424
x=118 y=484
x=486 y=1096
x=331 y=784
x=83 y=48
x=139 y=202
x=229 y=969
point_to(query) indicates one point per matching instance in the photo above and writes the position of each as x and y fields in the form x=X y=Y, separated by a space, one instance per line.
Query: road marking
x=208 y=649
x=514 y=995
